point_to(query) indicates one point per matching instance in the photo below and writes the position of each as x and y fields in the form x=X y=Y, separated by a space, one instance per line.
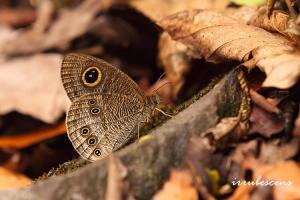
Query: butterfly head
x=154 y=99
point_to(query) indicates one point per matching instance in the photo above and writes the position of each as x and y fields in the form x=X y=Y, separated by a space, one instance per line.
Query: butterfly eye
x=92 y=102
x=95 y=110
x=92 y=140
x=91 y=76
x=97 y=152
x=85 y=131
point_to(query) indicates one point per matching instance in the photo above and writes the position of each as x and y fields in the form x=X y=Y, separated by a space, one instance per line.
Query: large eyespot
x=91 y=76
x=97 y=152
x=92 y=140
x=85 y=131
x=95 y=110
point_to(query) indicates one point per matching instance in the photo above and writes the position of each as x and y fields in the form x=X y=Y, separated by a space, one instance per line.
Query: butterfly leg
x=164 y=113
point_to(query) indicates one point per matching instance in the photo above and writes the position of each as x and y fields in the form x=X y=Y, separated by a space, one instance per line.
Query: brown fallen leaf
x=32 y=86
x=198 y=157
x=278 y=21
x=27 y=139
x=285 y=171
x=17 y=17
x=265 y=123
x=175 y=61
x=263 y=102
x=115 y=184
x=296 y=130
x=219 y=38
x=58 y=34
x=242 y=193
x=266 y=161
x=242 y=14
x=9 y=179
x=178 y=187
x=224 y=127
x=273 y=152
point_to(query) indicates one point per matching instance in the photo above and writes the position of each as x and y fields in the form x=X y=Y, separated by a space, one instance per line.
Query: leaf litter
x=254 y=37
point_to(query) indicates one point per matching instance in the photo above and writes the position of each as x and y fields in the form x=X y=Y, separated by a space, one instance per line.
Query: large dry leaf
x=69 y=25
x=219 y=38
x=32 y=86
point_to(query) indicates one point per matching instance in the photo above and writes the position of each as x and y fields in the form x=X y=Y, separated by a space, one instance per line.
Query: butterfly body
x=107 y=106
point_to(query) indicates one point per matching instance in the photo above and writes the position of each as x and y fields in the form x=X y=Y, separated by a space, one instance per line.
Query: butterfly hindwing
x=98 y=124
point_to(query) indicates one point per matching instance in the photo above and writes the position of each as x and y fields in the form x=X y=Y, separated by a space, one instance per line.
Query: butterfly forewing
x=111 y=79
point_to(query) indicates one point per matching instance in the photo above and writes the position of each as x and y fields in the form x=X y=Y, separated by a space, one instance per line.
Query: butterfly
x=107 y=106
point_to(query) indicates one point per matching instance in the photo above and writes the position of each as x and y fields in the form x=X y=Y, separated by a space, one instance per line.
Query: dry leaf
x=158 y=9
x=9 y=179
x=173 y=57
x=69 y=24
x=199 y=156
x=242 y=14
x=265 y=123
x=224 y=127
x=115 y=183
x=288 y=171
x=218 y=38
x=178 y=187
x=297 y=126
x=273 y=152
x=17 y=17
x=261 y=101
x=27 y=139
x=32 y=86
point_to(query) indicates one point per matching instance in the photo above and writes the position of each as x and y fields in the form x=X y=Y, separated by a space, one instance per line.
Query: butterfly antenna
x=161 y=76
x=156 y=89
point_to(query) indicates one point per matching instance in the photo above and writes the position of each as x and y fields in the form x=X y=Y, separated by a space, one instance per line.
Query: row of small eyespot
x=92 y=140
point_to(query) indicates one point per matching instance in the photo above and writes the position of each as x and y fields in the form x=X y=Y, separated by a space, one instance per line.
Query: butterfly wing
x=82 y=74
x=99 y=124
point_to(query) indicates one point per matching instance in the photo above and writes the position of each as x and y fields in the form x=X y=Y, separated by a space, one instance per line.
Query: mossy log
x=148 y=162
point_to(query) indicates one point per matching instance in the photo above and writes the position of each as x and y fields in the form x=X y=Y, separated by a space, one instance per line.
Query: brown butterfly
x=107 y=106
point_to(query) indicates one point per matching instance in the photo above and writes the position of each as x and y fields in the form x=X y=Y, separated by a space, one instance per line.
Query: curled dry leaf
x=9 y=179
x=32 y=86
x=261 y=101
x=219 y=38
x=27 y=139
x=278 y=22
x=174 y=59
x=224 y=127
x=178 y=187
